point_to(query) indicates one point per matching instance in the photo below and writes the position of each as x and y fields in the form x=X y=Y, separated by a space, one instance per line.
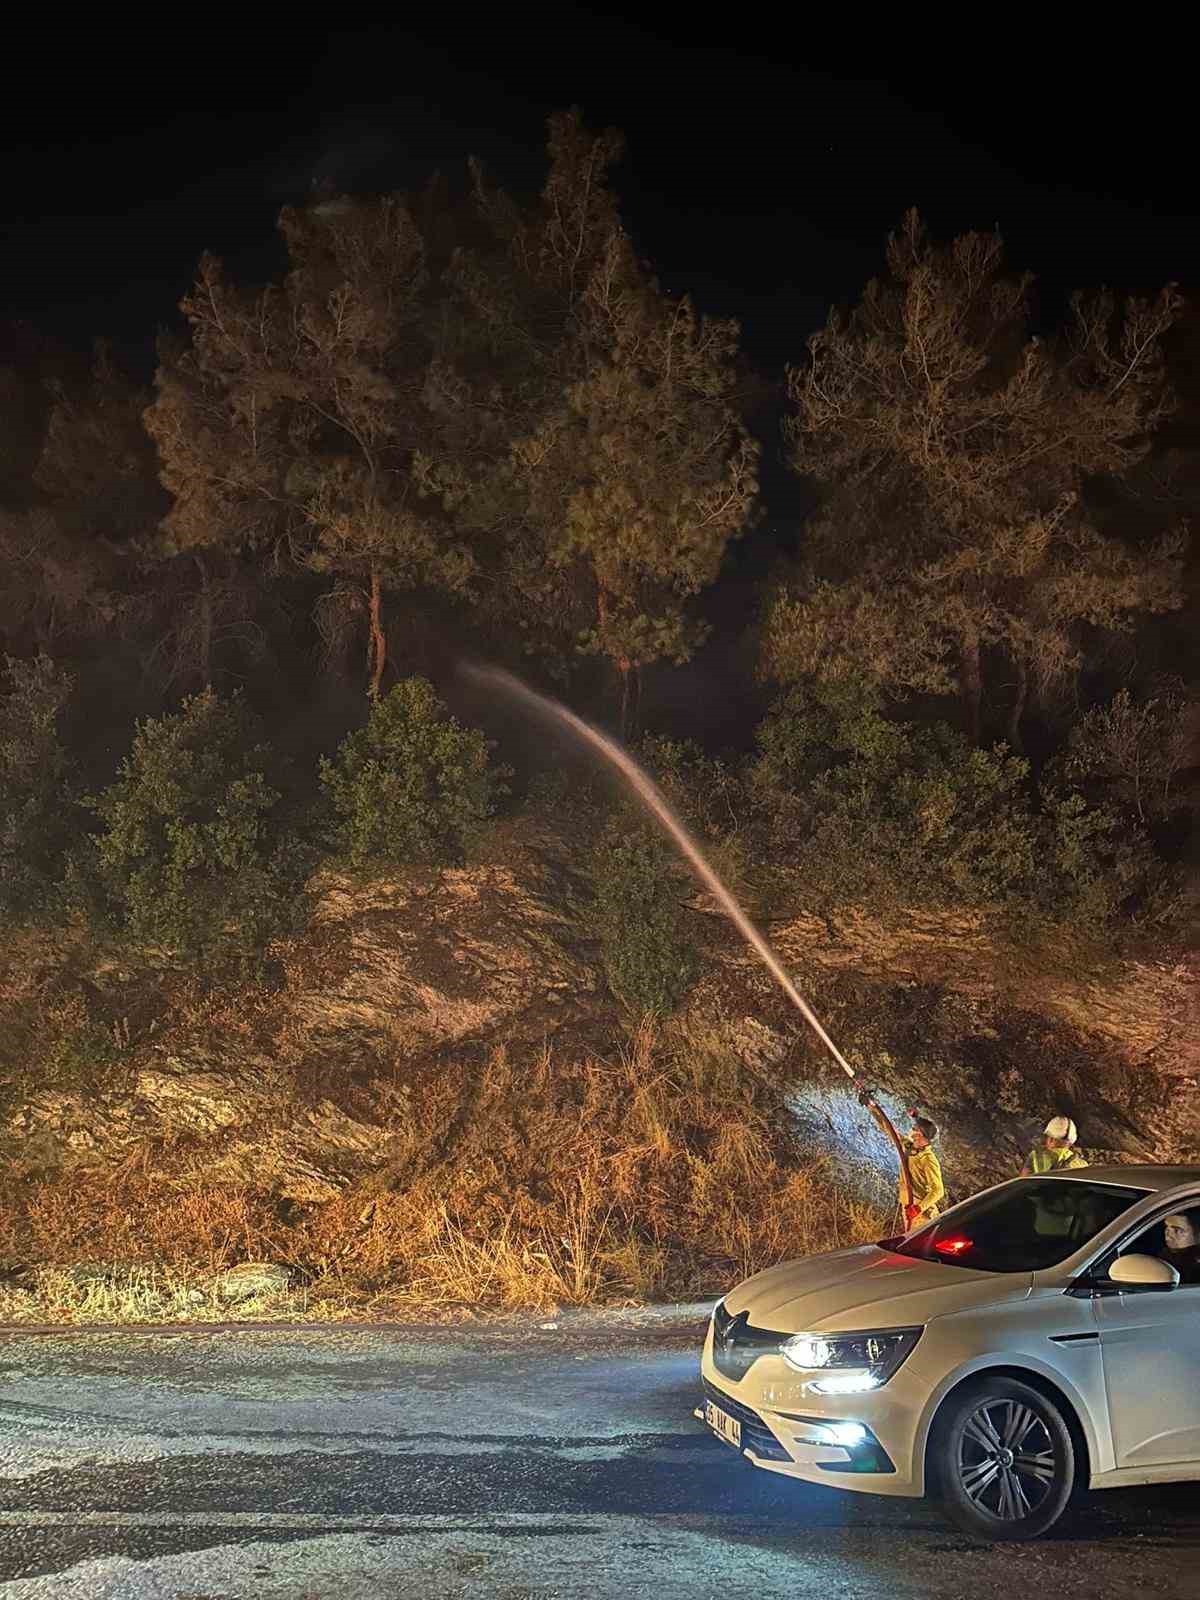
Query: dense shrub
x=706 y=793
x=1100 y=867
x=814 y=727
x=710 y=797
x=648 y=959
x=38 y=815
x=191 y=860
x=413 y=784
x=865 y=805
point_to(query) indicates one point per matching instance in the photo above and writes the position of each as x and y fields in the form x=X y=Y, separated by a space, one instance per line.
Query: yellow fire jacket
x=1042 y=1160
x=925 y=1170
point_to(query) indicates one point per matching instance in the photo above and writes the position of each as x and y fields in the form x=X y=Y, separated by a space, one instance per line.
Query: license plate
x=723 y=1425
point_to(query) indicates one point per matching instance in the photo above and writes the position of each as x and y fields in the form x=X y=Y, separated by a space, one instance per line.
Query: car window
x=1153 y=1241
x=1024 y=1226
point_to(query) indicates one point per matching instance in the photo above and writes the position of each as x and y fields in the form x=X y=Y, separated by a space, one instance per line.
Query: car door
x=1150 y=1349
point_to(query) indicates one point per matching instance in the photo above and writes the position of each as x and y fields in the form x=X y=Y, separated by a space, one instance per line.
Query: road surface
x=527 y=1463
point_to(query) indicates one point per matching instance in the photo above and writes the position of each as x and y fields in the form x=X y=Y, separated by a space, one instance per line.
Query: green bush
x=191 y=860
x=707 y=794
x=413 y=785
x=1101 y=867
x=710 y=797
x=864 y=805
x=813 y=728
x=962 y=817
x=80 y=1057
x=648 y=960
x=38 y=814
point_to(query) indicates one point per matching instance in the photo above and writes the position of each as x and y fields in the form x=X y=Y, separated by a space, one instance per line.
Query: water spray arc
x=652 y=797
x=655 y=802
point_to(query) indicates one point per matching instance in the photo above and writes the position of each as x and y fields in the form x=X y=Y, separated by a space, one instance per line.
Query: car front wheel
x=1004 y=1460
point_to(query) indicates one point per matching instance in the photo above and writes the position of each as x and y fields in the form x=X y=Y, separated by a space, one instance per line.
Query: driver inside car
x=1182 y=1246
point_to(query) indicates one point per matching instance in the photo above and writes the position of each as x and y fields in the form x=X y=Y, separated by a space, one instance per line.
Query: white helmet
x=1062 y=1128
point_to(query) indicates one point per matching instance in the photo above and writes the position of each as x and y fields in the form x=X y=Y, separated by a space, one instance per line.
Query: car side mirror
x=1143 y=1272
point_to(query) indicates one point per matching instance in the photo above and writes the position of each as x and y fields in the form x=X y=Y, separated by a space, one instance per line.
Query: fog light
x=848 y=1434
x=861 y=1452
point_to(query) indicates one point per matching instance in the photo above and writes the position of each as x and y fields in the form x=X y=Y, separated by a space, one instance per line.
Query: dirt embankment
x=434 y=1096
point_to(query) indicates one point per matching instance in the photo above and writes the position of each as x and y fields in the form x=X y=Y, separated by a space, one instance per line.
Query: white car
x=1034 y=1339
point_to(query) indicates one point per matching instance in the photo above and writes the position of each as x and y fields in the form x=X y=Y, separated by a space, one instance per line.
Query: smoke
x=352 y=159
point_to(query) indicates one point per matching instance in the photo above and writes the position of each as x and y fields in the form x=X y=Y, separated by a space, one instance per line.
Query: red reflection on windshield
x=953 y=1246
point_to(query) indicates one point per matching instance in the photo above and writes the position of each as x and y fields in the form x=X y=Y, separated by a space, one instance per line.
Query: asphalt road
x=517 y=1464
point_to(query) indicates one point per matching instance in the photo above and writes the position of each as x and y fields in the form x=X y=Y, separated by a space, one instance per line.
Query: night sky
x=764 y=171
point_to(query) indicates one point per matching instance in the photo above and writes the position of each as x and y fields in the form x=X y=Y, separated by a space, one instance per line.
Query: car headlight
x=849 y=1363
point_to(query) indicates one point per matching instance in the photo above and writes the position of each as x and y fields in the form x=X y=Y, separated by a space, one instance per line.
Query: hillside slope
x=446 y=1042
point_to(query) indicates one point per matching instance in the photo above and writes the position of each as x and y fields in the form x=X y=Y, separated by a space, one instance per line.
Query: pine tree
x=290 y=423
x=954 y=449
x=592 y=436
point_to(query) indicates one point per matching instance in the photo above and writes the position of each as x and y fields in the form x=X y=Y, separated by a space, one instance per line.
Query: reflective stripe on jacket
x=1042 y=1160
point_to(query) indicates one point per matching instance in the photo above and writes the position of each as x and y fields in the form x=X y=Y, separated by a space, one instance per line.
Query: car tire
x=1003 y=1460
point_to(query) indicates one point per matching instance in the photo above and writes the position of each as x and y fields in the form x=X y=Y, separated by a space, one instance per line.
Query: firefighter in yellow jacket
x=918 y=1158
x=924 y=1172
x=1055 y=1151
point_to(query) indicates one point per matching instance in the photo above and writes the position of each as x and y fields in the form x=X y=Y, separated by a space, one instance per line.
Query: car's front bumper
x=785 y=1427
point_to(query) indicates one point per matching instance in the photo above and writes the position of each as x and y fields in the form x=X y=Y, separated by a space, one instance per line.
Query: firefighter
x=1055 y=1151
x=918 y=1162
x=924 y=1171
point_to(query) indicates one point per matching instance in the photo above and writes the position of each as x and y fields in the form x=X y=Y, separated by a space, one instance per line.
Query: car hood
x=866 y=1287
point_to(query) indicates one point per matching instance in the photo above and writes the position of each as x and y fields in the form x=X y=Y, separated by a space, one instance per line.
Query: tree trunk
x=1018 y=705
x=205 y=632
x=376 y=638
x=622 y=663
x=970 y=684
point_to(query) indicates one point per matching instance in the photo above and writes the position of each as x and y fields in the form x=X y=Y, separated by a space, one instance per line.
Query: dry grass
x=665 y=1171
x=130 y=1294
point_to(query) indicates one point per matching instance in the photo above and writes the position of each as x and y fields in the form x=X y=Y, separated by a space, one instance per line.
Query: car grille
x=737 y=1344
x=756 y=1436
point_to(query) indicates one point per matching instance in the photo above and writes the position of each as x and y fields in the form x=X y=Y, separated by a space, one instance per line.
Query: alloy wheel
x=1006 y=1459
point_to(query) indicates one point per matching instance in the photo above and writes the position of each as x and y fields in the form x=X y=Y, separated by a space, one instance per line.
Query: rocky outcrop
x=990 y=1033
x=304 y=1088
x=224 y=1122
x=252 y=1280
x=465 y=954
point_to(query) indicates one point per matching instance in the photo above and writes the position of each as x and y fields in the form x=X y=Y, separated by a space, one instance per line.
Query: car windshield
x=1024 y=1226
